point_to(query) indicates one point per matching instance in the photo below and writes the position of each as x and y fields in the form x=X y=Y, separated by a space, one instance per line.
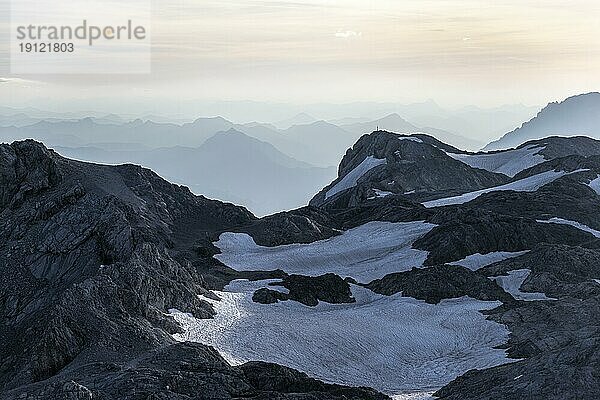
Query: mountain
x=298 y=119
x=475 y=122
x=88 y=131
x=229 y=166
x=117 y=284
x=523 y=251
x=384 y=163
x=321 y=142
x=577 y=115
x=395 y=123
x=94 y=257
x=392 y=123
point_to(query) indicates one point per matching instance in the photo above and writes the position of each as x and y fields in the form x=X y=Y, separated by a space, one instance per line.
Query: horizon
x=458 y=53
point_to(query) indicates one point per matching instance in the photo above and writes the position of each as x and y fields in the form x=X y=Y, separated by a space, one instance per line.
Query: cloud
x=347 y=34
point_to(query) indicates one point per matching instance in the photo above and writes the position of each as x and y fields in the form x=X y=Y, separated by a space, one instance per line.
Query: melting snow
x=572 y=223
x=509 y=162
x=414 y=396
x=395 y=344
x=365 y=253
x=411 y=138
x=380 y=193
x=595 y=184
x=352 y=177
x=477 y=261
x=529 y=184
x=512 y=284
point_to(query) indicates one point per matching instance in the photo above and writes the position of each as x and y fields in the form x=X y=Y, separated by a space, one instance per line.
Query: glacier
x=365 y=253
x=392 y=343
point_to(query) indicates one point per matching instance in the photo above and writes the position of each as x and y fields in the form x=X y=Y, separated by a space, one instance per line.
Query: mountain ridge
x=576 y=115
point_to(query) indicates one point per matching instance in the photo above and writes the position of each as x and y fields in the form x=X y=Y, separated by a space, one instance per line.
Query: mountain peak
x=576 y=115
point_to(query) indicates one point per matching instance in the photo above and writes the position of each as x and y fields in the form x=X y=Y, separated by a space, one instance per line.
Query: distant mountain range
x=229 y=165
x=296 y=154
x=575 y=116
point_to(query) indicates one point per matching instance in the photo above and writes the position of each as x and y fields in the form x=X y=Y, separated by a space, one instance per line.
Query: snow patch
x=512 y=284
x=571 y=223
x=478 y=260
x=351 y=179
x=393 y=343
x=379 y=194
x=414 y=396
x=595 y=184
x=509 y=162
x=365 y=253
x=529 y=184
x=597 y=281
x=411 y=138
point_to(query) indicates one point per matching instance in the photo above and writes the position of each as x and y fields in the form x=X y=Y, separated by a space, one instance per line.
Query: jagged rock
x=268 y=296
x=557 y=270
x=412 y=164
x=93 y=258
x=305 y=225
x=184 y=371
x=308 y=290
x=440 y=282
x=463 y=231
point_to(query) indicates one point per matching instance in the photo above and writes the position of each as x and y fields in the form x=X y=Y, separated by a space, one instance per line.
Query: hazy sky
x=454 y=51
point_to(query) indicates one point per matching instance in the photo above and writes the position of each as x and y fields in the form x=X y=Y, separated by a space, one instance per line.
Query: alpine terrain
x=422 y=271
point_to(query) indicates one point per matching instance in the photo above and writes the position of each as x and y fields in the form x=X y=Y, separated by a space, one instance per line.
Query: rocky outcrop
x=413 y=164
x=305 y=225
x=184 y=371
x=556 y=270
x=308 y=290
x=440 y=282
x=465 y=231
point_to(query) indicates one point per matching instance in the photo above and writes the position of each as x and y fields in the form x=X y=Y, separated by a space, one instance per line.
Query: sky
x=456 y=52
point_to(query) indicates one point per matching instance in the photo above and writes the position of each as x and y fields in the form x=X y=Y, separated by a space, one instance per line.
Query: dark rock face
x=305 y=225
x=558 y=270
x=188 y=371
x=464 y=232
x=92 y=258
x=558 y=339
x=413 y=164
x=268 y=296
x=280 y=382
x=308 y=290
x=440 y=282
x=558 y=147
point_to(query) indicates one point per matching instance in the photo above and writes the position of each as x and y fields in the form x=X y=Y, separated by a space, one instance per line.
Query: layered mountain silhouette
x=577 y=115
x=229 y=165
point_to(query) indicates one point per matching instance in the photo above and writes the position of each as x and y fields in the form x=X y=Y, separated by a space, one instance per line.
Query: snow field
x=393 y=343
x=365 y=253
